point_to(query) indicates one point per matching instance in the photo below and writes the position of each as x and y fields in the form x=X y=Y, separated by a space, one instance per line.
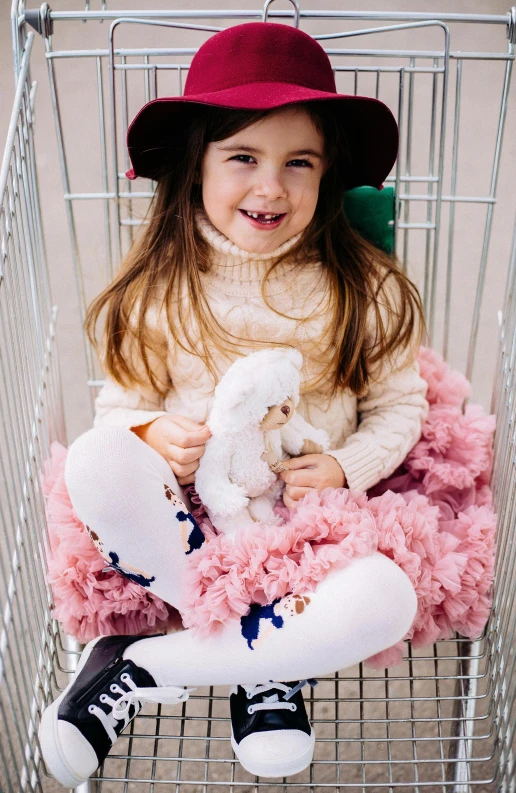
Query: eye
x=245 y=158
x=301 y=163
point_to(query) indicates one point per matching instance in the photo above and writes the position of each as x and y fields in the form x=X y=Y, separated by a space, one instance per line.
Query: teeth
x=256 y=215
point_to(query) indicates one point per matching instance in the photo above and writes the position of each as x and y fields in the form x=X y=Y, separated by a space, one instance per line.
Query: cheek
x=222 y=190
x=304 y=191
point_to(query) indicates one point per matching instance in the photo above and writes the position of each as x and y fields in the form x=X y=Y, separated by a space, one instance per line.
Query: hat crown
x=259 y=52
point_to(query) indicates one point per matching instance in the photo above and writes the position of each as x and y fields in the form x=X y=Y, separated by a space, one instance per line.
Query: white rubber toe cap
x=276 y=753
x=68 y=755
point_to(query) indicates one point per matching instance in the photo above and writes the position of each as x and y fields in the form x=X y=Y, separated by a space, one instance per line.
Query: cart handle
x=296 y=11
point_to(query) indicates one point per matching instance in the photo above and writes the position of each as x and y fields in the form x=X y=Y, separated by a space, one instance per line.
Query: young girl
x=247 y=247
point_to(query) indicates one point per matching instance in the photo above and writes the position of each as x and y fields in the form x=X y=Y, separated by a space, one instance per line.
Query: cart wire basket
x=444 y=719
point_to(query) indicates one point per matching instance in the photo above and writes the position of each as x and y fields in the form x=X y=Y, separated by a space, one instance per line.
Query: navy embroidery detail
x=138 y=578
x=250 y=623
x=196 y=538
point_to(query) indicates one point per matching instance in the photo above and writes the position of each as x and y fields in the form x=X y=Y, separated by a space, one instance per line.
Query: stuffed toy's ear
x=298 y=435
x=294 y=357
x=238 y=394
x=311 y=447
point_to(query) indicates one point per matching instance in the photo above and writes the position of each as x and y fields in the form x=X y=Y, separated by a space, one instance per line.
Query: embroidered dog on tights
x=191 y=535
x=261 y=620
x=126 y=570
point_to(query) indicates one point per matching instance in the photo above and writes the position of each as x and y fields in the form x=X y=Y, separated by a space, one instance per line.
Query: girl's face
x=260 y=186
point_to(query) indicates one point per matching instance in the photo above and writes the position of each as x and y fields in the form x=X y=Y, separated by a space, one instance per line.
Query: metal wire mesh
x=443 y=720
x=30 y=417
x=392 y=732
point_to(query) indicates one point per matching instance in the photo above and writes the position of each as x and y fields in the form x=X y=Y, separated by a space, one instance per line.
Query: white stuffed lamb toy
x=254 y=427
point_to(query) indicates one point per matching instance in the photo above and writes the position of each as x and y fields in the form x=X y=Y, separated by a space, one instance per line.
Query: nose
x=270 y=185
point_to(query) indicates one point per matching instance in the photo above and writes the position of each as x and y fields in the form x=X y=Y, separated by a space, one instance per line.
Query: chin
x=261 y=243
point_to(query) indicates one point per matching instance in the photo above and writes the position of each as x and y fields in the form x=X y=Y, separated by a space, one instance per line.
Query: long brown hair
x=170 y=253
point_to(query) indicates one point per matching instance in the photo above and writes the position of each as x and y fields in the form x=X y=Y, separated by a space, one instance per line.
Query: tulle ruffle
x=87 y=601
x=433 y=517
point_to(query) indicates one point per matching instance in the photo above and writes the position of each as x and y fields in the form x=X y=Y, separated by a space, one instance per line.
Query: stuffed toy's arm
x=260 y=478
x=215 y=489
x=297 y=431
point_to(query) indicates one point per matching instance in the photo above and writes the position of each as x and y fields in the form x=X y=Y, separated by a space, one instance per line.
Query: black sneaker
x=270 y=731
x=79 y=728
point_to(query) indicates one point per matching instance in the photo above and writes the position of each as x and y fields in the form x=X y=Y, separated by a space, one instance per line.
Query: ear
x=238 y=394
x=300 y=606
x=311 y=447
x=295 y=357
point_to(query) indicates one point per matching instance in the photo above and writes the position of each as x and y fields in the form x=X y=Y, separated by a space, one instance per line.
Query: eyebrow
x=252 y=150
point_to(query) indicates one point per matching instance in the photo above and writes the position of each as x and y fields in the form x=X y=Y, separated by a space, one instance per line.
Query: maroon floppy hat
x=261 y=66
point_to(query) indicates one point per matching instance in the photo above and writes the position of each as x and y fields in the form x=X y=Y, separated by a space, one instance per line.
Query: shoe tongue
x=141 y=676
x=272 y=698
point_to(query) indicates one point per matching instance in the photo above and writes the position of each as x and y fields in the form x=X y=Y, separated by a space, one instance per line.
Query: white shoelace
x=166 y=695
x=273 y=702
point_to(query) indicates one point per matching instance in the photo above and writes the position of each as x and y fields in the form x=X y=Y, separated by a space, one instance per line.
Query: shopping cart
x=444 y=720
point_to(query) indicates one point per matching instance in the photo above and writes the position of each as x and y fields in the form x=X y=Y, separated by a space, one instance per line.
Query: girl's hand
x=310 y=472
x=179 y=440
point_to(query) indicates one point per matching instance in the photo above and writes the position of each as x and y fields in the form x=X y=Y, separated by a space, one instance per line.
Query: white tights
x=127 y=496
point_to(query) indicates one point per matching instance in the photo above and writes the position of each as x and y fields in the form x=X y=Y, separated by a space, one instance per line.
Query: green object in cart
x=371 y=213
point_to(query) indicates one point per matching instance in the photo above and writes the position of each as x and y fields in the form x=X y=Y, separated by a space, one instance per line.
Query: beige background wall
x=77 y=91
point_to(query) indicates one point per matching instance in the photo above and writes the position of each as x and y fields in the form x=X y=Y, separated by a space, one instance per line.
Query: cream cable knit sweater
x=370 y=436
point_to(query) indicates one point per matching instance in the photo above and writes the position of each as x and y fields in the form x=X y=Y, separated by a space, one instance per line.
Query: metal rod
x=372 y=53
x=431 y=197
x=76 y=259
x=451 y=229
x=415 y=16
x=104 y=168
x=489 y=219
x=402 y=196
x=440 y=174
x=408 y=165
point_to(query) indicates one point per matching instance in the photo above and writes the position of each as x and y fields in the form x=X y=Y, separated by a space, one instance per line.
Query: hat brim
x=370 y=127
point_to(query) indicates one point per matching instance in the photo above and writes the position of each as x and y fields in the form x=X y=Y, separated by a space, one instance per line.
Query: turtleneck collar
x=239 y=272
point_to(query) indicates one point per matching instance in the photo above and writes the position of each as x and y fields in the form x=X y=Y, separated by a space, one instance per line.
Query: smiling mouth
x=264 y=219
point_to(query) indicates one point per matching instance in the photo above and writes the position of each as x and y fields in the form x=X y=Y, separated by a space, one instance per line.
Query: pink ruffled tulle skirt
x=433 y=517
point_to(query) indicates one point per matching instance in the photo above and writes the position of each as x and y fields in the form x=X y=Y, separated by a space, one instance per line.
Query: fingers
x=302 y=462
x=297 y=493
x=292 y=496
x=183 y=444
x=185 y=456
x=303 y=478
x=293 y=503
x=183 y=470
x=186 y=433
x=186 y=480
x=289 y=502
x=185 y=422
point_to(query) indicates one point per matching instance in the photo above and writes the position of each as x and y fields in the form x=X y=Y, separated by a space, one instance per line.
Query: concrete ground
x=77 y=96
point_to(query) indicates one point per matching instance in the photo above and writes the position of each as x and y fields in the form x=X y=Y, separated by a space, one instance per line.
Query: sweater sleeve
x=123 y=407
x=391 y=416
x=390 y=419
x=133 y=407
